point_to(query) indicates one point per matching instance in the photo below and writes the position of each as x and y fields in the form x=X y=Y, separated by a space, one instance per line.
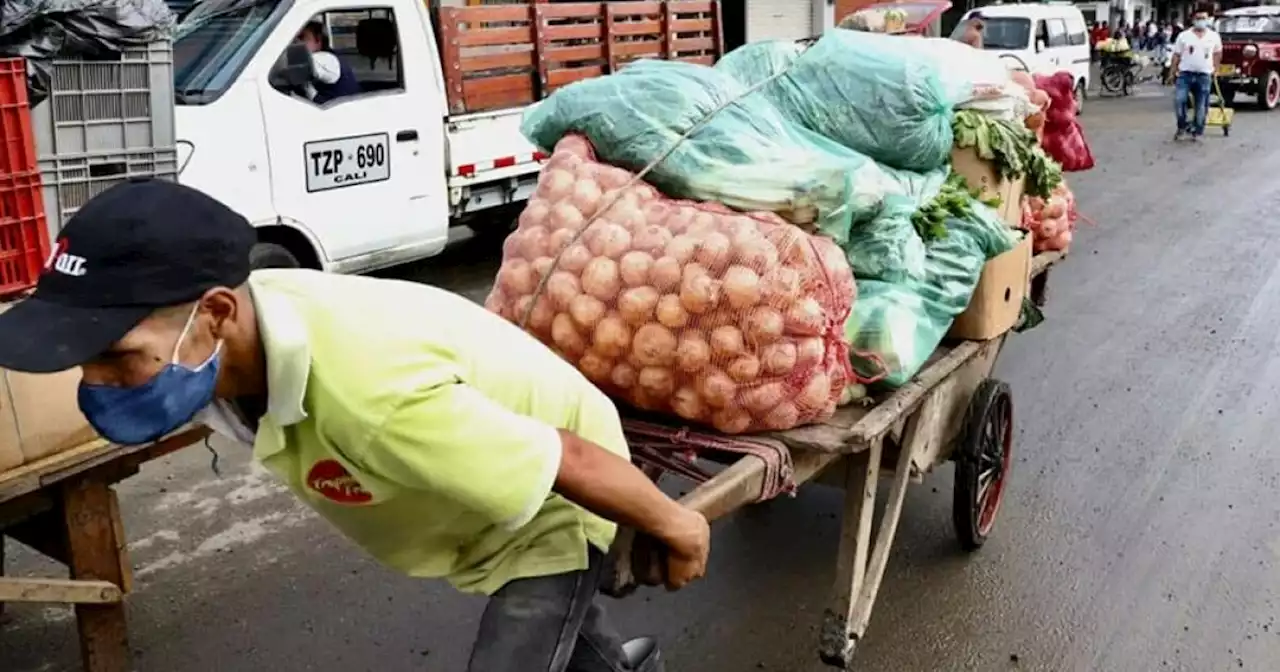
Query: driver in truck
x=436 y=435
x=331 y=77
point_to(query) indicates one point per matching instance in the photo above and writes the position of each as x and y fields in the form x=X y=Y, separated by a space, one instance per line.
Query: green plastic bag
x=747 y=156
x=870 y=93
x=904 y=321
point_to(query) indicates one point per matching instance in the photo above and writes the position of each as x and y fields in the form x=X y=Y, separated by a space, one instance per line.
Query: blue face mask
x=142 y=414
x=1202 y=23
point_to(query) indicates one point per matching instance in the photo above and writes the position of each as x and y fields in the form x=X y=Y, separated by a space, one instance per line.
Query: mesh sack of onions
x=690 y=309
x=1051 y=221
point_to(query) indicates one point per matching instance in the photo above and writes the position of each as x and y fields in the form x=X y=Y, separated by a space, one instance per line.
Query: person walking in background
x=1196 y=55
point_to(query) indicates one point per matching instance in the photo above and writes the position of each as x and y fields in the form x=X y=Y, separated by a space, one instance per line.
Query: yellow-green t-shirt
x=424 y=427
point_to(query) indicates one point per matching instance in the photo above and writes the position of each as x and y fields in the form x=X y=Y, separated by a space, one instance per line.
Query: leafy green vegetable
x=1011 y=147
x=955 y=199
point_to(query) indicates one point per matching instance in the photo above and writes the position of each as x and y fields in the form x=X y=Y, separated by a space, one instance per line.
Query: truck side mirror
x=293 y=70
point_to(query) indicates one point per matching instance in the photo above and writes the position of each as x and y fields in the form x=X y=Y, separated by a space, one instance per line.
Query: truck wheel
x=272 y=255
x=1269 y=91
x=1081 y=94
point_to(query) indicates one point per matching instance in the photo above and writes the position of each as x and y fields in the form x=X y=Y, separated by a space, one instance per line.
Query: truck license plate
x=347 y=162
x=1226 y=70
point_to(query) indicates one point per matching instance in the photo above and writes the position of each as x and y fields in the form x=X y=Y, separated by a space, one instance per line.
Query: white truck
x=432 y=138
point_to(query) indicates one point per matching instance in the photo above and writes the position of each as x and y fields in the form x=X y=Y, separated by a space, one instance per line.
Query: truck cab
x=429 y=137
x=1250 y=54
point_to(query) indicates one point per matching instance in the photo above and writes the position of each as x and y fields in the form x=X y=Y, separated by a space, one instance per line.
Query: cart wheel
x=983 y=458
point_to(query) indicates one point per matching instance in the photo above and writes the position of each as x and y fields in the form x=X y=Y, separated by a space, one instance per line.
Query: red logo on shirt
x=331 y=479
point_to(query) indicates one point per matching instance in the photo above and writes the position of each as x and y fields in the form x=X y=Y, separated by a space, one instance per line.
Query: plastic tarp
x=871 y=93
x=45 y=30
x=747 y=156
x=904 y=321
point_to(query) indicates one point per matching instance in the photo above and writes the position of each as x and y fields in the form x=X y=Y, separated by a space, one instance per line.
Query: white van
x=1043 y=38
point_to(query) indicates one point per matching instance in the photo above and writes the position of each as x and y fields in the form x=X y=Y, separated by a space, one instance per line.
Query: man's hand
x=610 y=486
x=688 y=543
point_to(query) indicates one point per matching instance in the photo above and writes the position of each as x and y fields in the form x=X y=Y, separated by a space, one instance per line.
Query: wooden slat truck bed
x=504 y=56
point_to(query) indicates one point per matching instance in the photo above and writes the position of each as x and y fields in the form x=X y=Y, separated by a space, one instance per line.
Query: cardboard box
x=997 y=301
x=982 y=175
x=39 y=416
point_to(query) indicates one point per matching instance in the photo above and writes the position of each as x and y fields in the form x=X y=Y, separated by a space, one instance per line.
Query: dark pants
x=549 y=624
x=1194 y=85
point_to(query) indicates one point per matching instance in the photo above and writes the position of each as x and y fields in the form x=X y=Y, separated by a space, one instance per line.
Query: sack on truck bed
x=690 y=309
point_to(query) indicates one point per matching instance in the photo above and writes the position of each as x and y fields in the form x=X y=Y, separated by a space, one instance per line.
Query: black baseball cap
x=136 y=247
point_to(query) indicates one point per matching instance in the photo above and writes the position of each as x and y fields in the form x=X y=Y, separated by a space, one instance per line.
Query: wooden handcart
x=951 y=411
x=65 y=507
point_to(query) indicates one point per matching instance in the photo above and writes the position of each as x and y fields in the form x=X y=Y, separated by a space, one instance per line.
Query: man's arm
x=455 y=441
x=1217 y=52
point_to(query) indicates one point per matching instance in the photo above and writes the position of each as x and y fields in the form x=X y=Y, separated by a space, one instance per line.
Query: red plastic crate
x=17 y=144
x=24 y=236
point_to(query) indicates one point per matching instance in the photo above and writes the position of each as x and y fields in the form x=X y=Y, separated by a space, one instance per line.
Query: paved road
x=1142 y=532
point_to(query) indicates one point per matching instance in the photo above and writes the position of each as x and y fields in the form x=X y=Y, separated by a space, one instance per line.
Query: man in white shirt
x=1196 y=56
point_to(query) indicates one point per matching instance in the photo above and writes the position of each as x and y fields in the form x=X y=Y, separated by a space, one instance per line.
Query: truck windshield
x=1249 y=25
x=1000 y=33
x=214 y=42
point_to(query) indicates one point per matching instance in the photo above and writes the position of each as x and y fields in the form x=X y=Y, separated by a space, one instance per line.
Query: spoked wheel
x=983 y=459
x=1113 y=80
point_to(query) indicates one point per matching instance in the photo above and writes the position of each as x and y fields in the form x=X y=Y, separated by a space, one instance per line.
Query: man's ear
x=223 y=305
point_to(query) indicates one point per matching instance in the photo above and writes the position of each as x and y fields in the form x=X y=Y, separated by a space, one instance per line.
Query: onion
x=741 y=287
x=792 y=245
x=670 y=313
x=560 y=239
x=688 y=404
x=657 y=381
x=778 y=358
x=611 y=177
x=586 y=311
x=682 y=249
x=600 y=278
x=539 y=319
x=651 y=238
x=809 y=352
x=764 y=325
x=698 y=292
x=565 y=216
x=730 y=421
x=703 y=222
x=665 y=274
x=806 y=318
x=575 y=258
x=636 y=305
x=626 y=212
x=533 y=242
x=612 y=337
x=542 y=267
x=783 y=416
x=727 y=342
x=555 y=184
x=816 y=393
x=761 y=398
x=693 y=352
x=623 y=376
x=536 y=213
x=754 y=251
x=562 y=287
x=608 y=240
x=654 y=345
x=744 y=369
x=717 y=318
x=781 y=287
x=717 y=388
x=595 y=367
x=586 y=197
x=634 y=268
x=517 y=278
x=714 y=251
x=566 y=336
x=496 y=302
x=679 y=219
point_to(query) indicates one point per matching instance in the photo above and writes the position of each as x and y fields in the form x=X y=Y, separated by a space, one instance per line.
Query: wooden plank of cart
x=951 y=410
x=65 y=507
